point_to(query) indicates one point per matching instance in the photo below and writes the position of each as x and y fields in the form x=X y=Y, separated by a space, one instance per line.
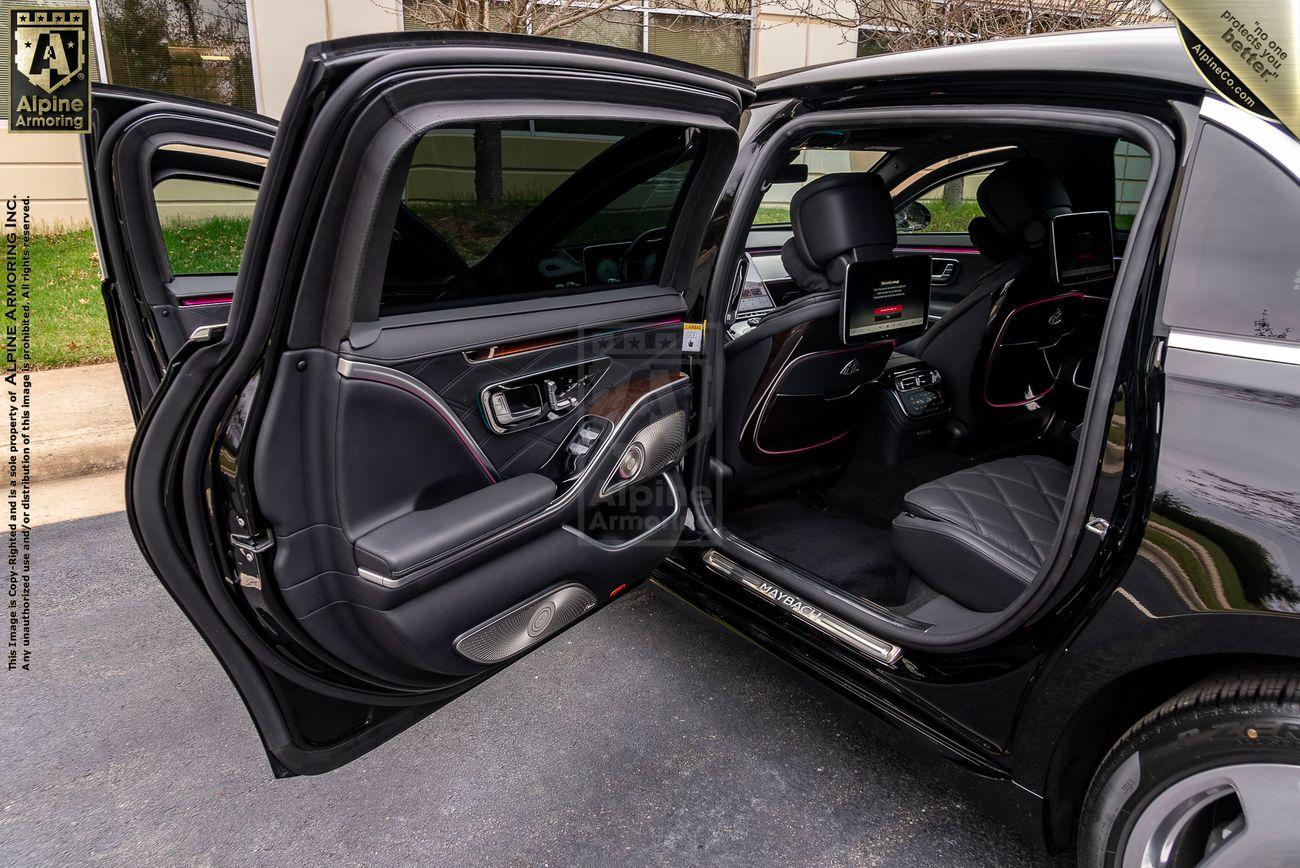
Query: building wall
x=47 y=167
x=784 y=42
x=282 y=29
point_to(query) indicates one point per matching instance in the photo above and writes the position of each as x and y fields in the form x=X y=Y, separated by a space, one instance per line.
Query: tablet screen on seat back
x=883 y=299
x=1083 y=247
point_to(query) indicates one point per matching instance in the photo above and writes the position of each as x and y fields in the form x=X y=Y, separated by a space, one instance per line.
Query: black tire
x=1249 y=717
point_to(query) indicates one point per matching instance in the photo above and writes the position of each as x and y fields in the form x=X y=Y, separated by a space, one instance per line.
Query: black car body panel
x=1184 y=565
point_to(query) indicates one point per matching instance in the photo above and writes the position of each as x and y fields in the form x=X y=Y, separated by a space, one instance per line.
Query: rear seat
x=980 y=535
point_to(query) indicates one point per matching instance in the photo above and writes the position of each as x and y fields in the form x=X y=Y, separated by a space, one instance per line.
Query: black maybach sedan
x=964 y=380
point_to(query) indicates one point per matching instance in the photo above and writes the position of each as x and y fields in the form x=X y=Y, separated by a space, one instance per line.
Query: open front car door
x=446 y=418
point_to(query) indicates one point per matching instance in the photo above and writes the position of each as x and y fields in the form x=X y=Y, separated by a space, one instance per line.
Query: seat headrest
x=1020 y=198
x=992 y=244
x=847 y=212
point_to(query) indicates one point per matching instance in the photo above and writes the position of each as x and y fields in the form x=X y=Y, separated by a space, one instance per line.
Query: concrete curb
x=81 y=422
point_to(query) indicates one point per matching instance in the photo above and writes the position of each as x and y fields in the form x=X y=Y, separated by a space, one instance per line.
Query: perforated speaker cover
x=661 y=443
x=514 y=630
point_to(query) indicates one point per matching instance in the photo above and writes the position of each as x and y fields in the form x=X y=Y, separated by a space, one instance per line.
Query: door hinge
x=1099 y=526
x=252 y=546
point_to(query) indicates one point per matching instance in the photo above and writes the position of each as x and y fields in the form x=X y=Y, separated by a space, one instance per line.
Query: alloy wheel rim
x=1242 y=814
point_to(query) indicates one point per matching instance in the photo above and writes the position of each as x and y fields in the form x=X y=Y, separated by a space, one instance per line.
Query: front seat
x=837 y=219
x=1019 y=200
x=980 y=535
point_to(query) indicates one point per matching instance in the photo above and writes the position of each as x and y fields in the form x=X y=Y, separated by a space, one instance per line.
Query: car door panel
x=344 y=520
x=460 y=503
x=136 y=143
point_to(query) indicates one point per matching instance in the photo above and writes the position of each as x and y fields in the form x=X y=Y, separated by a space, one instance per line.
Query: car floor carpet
x=841 y=550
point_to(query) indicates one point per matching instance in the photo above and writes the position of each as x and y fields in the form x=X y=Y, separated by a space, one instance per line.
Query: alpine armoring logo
x=49 y=51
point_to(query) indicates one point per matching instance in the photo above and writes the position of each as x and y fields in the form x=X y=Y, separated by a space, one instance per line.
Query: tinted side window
x=204 y=224
x=204 y=221
x=535 y=208
x=1236 y=263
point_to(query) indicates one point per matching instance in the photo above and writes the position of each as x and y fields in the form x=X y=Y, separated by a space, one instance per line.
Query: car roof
x=1143 y=51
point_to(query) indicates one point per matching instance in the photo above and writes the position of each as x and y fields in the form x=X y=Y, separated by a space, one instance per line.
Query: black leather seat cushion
x=980 y=535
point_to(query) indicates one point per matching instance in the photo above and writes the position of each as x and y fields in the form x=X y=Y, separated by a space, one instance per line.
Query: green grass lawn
x=68 y=322
x=943 y=218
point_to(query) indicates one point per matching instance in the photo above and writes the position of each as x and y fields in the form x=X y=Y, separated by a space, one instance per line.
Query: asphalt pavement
x=645 y=735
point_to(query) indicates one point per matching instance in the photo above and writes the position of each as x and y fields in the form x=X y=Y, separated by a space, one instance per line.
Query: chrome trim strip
x=1263 y=134
x=581 y=339
x=618 y=547
x=564 y=500
x=354 y=370
x=859 y=640
x=205 y=332
x=1241 y=348
x=379 y=579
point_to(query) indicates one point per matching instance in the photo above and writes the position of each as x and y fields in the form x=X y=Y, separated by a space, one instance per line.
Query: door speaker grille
x=514 y=630
x=659 y=445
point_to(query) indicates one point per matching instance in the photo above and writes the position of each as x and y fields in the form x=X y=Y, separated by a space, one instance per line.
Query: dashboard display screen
x=753 y=297
x=884 y=297
x=1083 y=247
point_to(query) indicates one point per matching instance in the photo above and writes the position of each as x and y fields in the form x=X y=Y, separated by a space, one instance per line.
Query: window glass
x=952 y=204
x=721 y=43
x=775 y=206
x=869 y=45
x=1132 y=169
x=204 y=224
x=608 y=227
x=718 y=38
x=615 y=28
x=193 y=49
x=1236 y=265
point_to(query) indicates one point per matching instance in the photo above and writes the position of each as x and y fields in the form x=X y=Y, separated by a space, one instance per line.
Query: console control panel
x=920 y=391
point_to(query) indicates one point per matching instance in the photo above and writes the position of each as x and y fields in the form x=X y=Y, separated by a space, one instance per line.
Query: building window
x=716 y=37
x=1132 y=170
x=183 y=47
x=868 y=44
x=92 y=55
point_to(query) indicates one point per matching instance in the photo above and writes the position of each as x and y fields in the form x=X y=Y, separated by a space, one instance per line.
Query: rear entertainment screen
x=1083 y=247
x=884 y=297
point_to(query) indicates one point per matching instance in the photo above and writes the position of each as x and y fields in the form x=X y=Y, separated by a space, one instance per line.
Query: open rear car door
x=421 y=448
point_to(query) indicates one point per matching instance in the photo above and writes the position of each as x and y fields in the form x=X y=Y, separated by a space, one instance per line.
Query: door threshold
x=833 y=626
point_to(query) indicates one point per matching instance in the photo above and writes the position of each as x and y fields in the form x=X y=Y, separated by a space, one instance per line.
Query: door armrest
x=410 y=543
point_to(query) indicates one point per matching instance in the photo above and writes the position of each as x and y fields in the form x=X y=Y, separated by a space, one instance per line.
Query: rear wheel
x=1212 y=777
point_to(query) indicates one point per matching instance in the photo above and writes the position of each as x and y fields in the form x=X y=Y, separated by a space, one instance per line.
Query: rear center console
x=918 y=389
x=908 y=414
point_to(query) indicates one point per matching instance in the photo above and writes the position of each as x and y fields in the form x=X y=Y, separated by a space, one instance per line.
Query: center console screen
x=753 y=298
x=885 y=297
x=1083 y=247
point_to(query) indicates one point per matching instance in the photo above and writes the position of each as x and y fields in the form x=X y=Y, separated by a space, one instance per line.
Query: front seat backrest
x=837 y=219
x=1019 y=200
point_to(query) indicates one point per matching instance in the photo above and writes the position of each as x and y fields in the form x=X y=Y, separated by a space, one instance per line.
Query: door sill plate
x=831 y=625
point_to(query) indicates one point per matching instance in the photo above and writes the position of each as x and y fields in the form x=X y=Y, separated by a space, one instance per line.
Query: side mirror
x=912 y=217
